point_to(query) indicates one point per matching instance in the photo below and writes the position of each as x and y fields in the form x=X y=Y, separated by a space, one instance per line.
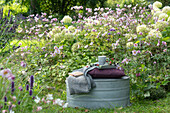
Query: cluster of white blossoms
x=162 y=20
x=142 y=29
x=166 y=9
x=157 y=13
x=76 y=46
x=68 y=35
x=55 y=30
x=71 y=29
x=65 y=31
x=154 y=34
x=64 y=34
x=160 y=13
x=132 y=36
x=157 y=5
x=57 y=37
x=168 y=20
x=161 y=25
x=58 y=34
x=66 y=19
x=151 y=26
x=163 y=16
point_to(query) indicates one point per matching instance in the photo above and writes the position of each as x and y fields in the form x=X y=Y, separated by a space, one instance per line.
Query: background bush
x=79 y=43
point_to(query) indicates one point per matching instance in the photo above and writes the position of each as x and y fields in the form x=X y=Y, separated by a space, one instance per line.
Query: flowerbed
x=135 y=37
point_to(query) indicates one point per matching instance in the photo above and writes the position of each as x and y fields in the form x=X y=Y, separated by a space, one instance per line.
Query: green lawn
x=143 y=106
x=138 y=106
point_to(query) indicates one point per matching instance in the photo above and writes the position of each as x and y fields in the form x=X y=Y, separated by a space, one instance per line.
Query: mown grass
x=138 y=106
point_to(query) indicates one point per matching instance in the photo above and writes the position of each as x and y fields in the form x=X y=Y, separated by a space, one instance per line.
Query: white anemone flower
x=59 y=102
x=50 y=97
x=11 y=111
x=65 y=105
x=37 y=100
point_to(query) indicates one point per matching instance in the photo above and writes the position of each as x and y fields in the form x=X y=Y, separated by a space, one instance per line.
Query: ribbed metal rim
x=98 y=100
x=111 y=89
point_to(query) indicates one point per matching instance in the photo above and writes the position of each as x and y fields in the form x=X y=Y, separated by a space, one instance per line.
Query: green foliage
x=14 y=6
x=59 y=7
x=113 y=3
x=157 y=93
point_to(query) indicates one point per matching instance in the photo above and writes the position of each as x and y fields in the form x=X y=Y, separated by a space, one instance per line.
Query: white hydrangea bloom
x=161 y=25
x=142 y=28
x=157 y=13
x=163 y=16
x=64 y=31
x=71 y=28
x=155 y=9
x=168 y=20
x=152 y=26
x=56 y=29
x=128 y=36
x=67 y=19
x=166 y=9
x=154 y=34
x=57 y=37
x=157 y=5
x=68 y=35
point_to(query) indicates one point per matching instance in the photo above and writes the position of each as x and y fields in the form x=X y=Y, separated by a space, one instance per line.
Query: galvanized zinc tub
x=109 y=93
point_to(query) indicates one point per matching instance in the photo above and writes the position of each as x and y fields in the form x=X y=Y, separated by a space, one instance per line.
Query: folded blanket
x=84 y=83
x=81 y=84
